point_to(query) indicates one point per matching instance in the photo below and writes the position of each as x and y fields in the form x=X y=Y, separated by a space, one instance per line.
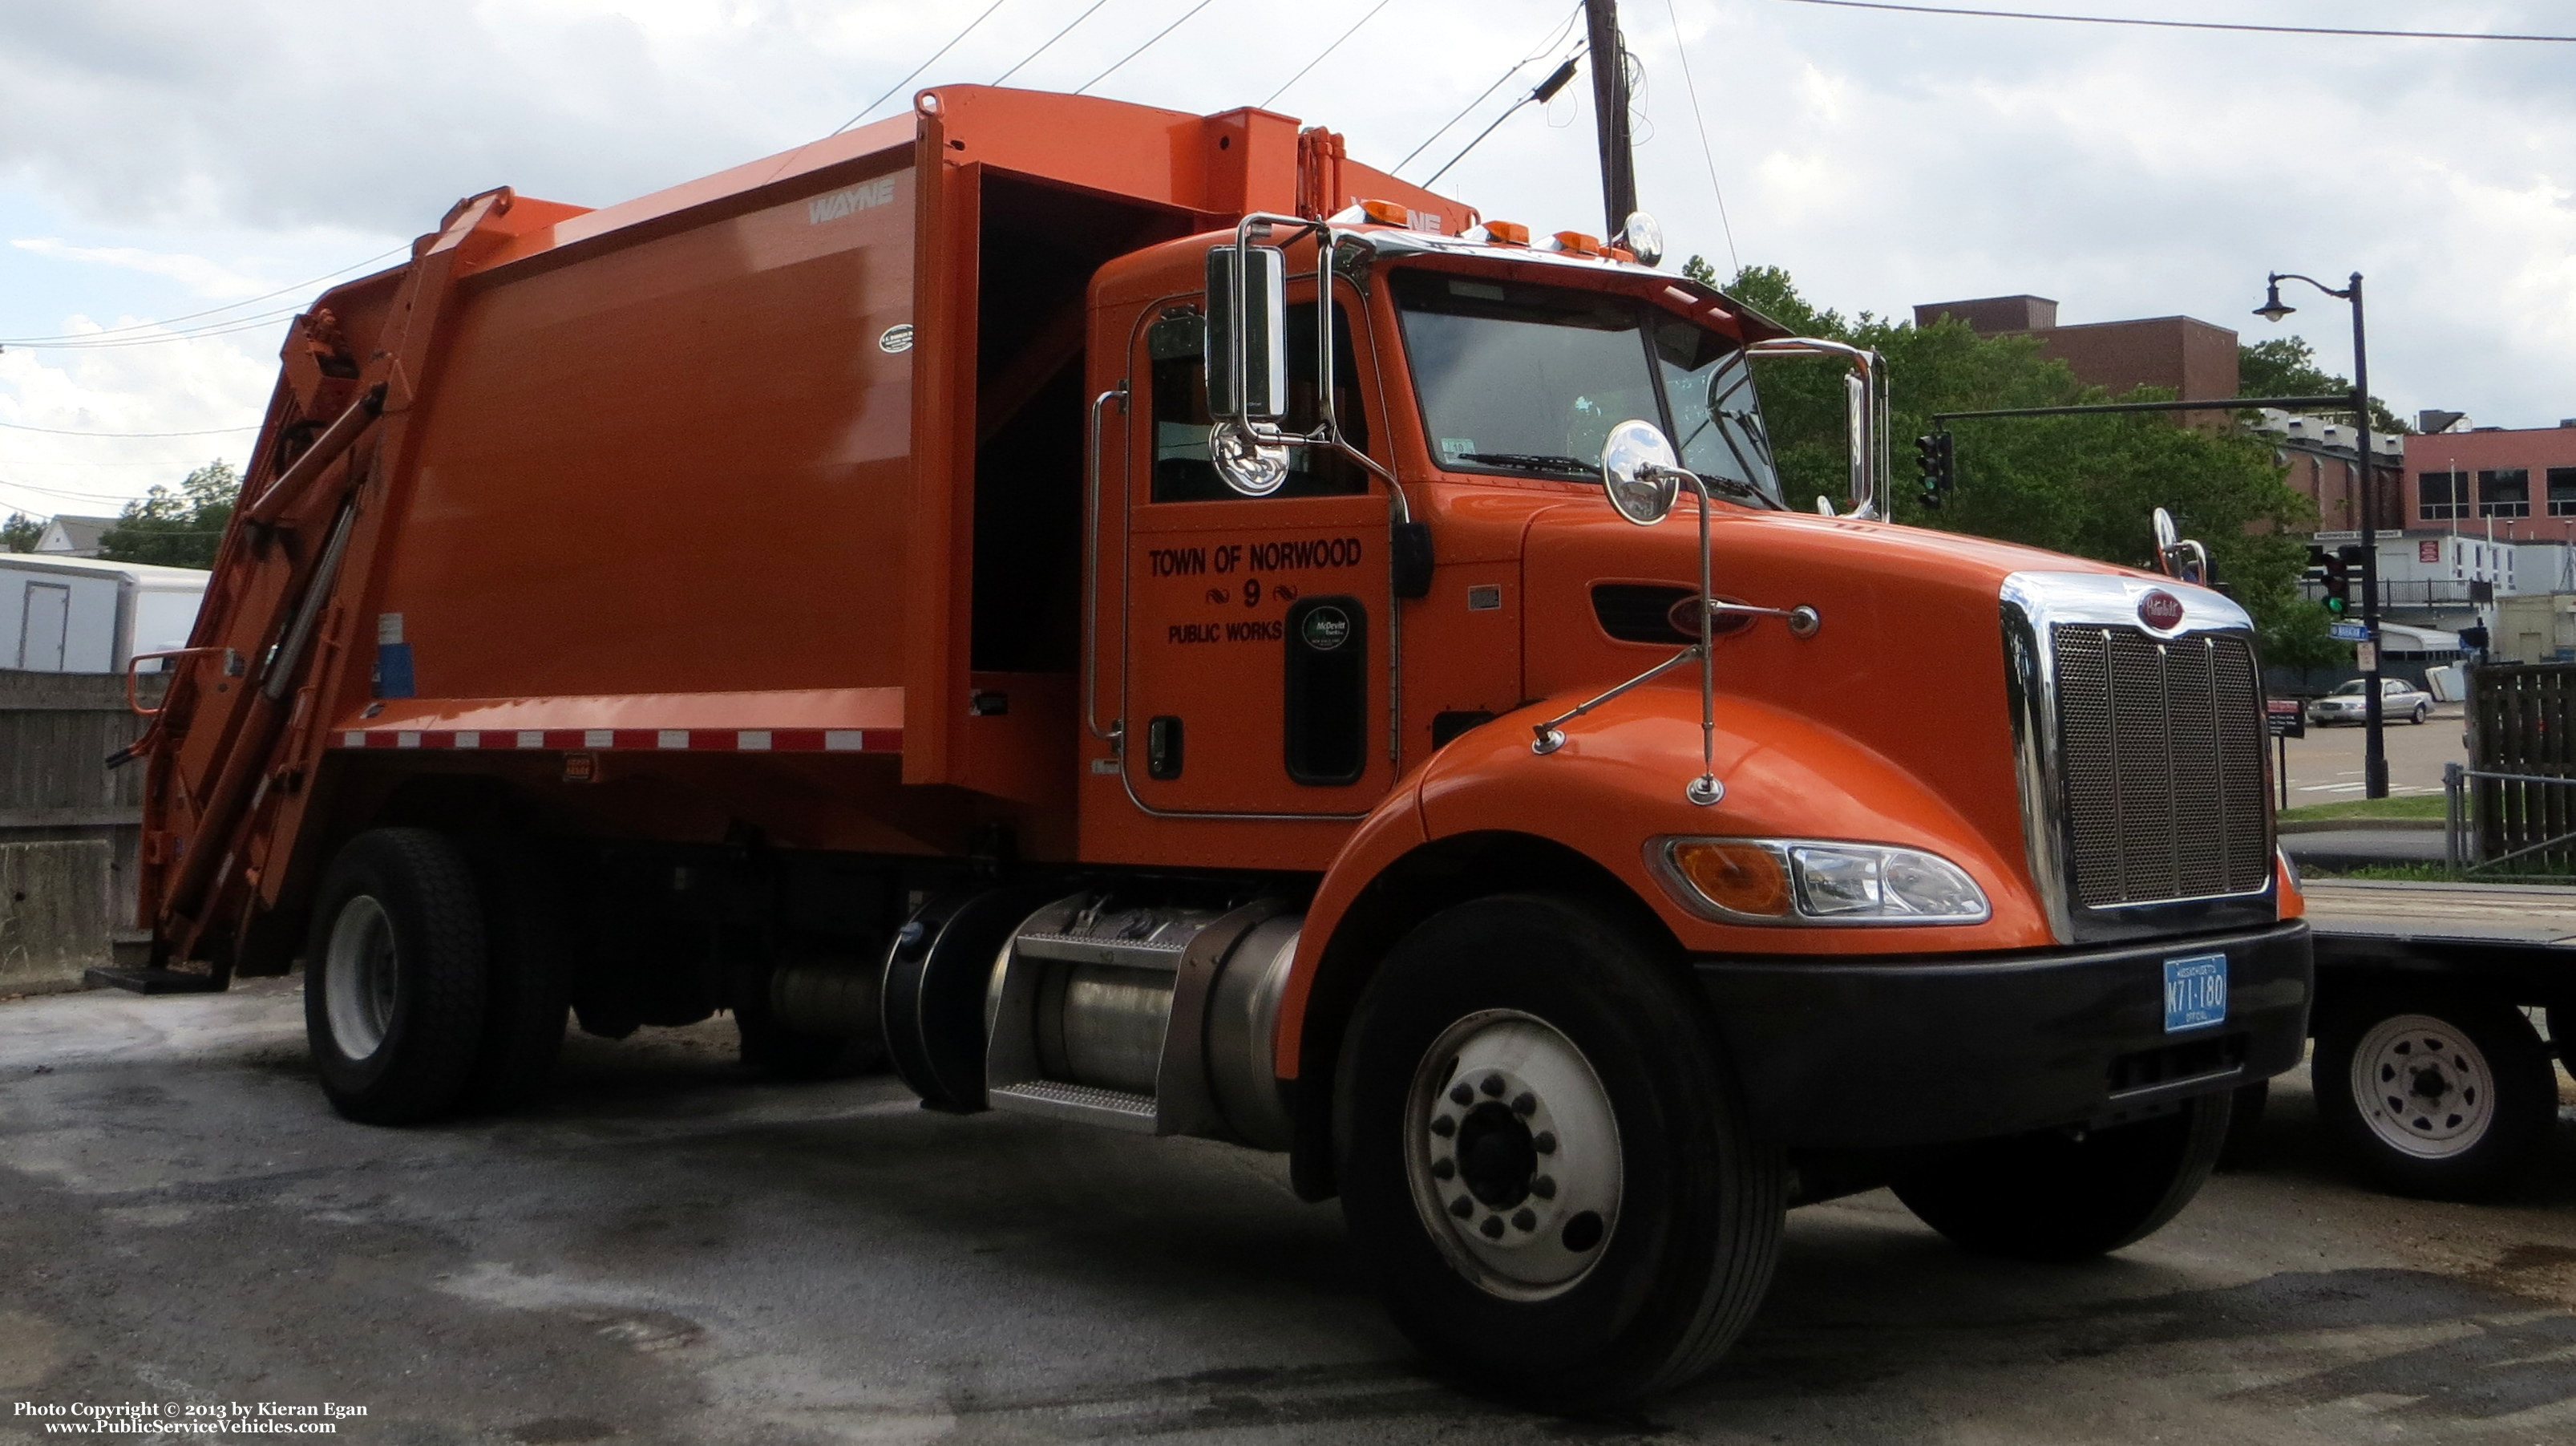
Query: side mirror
x=1640 y=473
x=2167 y=535
x=1247 y=340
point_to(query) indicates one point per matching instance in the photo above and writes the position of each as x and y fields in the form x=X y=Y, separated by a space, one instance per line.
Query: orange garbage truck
x=1144 y=620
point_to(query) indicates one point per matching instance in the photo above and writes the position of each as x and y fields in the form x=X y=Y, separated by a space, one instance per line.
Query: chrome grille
x=2161 y=746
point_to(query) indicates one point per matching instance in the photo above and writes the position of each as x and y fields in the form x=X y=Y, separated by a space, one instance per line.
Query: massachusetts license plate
x=2195 y=992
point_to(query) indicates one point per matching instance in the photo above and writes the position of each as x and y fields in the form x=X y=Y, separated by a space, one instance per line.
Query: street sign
x=2349 y=632
x=2285 y=717
x=2335 y=536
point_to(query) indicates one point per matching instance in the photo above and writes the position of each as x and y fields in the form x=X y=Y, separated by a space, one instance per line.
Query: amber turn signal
x=1742 y=877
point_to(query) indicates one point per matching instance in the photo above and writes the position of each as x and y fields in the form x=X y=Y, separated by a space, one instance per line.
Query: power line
x=1328 y=50
x=1050 y=43
x=1554 y=38
x=2184 y=24
x=209 y=311
x=925 y=65
x=1706 y=154
x=222 y=328
x=61 y=432
x=1544 y=92
x=1141 y=49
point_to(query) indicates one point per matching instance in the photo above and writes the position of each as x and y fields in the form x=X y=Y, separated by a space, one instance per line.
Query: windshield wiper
x=1535 y=461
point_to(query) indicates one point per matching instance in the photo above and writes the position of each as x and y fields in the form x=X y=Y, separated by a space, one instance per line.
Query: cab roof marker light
x=1506 y=233
x=1679 y=295
x=1577 y=243
x=1386 y=213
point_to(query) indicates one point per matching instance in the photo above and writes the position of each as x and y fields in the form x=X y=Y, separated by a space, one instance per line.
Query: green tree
x=2081 y=485
x=20 y=532
x=2286 y=366
x=176 y=529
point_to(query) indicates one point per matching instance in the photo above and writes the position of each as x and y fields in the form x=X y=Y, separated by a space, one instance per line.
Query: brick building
x=2189 y=357
x=2521 y=479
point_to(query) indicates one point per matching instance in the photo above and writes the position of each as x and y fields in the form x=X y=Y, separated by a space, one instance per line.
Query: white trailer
x=82 y=615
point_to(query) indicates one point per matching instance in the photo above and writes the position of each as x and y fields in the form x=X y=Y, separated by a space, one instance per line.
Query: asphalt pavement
x=668 y=1251
x=2325 y=766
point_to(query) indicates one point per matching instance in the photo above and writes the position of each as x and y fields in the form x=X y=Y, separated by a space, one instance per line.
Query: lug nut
x=1526 y=1221
x=1444 y=1127
x=1494 y=1085
x=1525 y=1103
x=1442 y=1169
x=1462 y=1095
x=1544 y=1142
x=1462 y=1207
x=1492 y=1228
x=1544 y=1187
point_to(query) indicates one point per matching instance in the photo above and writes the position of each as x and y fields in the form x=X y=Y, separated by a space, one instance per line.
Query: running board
x=1116 y=1109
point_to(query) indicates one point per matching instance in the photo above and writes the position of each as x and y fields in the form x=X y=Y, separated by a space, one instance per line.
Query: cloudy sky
x=203 y=163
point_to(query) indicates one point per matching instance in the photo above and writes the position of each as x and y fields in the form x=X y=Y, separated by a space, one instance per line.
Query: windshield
x=2352 y=689
x=1522 y=379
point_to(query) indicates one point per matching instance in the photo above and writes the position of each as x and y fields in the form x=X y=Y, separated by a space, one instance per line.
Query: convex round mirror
x=1640 y=473
x=1246 y=466
x=2167 y=535
x=1643 y=237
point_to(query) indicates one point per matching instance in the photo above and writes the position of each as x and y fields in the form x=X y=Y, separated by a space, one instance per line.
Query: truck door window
x=1175 y=347
x=1717 y=424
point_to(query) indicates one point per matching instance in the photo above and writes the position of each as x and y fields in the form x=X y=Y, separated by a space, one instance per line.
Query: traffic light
x=1935 y=453
x=2334 y=571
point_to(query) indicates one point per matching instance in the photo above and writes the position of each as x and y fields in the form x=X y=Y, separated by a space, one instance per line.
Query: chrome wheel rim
x=1512 y=1151
x=2423 y=1087
x=359 y=976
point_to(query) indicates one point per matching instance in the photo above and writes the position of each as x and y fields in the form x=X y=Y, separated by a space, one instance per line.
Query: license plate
x=2195 y=992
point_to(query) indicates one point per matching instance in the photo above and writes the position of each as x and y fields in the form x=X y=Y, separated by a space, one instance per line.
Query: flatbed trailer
x=2428 y=1063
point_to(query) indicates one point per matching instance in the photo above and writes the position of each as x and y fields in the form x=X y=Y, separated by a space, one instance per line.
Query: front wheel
x=1544 y=1160
x=2441 y=1095
x=2423 y=711
x=2066 y=1195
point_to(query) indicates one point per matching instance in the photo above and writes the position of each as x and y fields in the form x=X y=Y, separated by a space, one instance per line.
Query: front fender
x=1618 y=781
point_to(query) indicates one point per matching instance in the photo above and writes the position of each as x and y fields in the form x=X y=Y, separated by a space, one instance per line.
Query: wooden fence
x=2522 y=722
x=56 y=731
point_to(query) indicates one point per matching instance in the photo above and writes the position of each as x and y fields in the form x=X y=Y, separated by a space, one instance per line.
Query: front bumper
x=1836 y=1054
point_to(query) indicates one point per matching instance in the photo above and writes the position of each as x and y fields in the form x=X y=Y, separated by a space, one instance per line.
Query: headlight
x=1815 y=881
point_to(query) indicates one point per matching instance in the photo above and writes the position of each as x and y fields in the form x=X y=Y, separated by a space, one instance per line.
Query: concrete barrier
x=53 y=914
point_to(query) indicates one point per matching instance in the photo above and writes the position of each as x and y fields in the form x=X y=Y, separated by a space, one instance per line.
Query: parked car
x=2350 y=704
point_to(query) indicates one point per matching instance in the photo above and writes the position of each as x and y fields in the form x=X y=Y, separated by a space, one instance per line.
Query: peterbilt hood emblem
x=2160 y=610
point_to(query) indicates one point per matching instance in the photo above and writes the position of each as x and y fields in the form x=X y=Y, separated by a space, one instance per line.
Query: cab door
x=1256 y=628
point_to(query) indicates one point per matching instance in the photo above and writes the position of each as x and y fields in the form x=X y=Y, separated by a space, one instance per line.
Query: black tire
x=2423 y=711
x=2062 y=1195
x=528 y=994
x=2244 y=1147
x=2476 y=1116
x=394 y=1006
x=1686 y=1256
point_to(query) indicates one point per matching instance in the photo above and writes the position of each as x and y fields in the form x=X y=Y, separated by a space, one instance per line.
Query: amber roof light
x=1578 y=243
x=1506 y=233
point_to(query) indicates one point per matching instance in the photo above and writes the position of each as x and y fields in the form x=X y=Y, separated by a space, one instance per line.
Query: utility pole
x=1610 y=112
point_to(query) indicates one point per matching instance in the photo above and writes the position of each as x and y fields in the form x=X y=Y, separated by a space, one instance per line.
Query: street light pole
x=2374 y=750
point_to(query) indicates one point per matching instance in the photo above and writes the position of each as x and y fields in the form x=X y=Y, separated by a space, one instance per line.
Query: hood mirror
x=2178 y=557
x=2166 y=533
x=1640 y=472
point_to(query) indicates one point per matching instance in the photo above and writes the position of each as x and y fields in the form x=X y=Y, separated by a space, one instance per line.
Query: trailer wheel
x=2062 y=1195
x=1544 y=1159
x=395 y=977
x=528 y=991
x=2449 y=1096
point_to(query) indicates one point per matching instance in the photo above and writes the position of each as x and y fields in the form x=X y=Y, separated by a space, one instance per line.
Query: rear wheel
x=2066 y=1195
x=2443 y=1095
x=396 y=978
x=1544 y=1161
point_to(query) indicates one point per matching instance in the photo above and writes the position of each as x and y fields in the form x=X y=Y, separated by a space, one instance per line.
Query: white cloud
x=210 y=279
